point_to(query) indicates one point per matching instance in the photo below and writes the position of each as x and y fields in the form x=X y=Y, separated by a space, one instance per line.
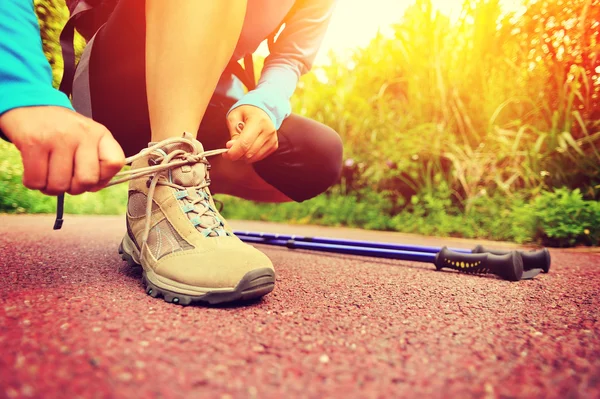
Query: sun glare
x=356 y=22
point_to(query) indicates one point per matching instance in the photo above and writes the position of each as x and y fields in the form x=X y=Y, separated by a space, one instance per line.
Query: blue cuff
x=266 y=98
x=32 y=97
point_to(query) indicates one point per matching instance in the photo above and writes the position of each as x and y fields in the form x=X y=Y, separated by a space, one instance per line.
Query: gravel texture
x=76 y=322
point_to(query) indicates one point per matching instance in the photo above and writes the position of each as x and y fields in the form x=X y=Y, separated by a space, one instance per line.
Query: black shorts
x=309 y=158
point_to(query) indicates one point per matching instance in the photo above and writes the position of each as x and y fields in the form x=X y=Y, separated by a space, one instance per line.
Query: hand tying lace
x=162 y=164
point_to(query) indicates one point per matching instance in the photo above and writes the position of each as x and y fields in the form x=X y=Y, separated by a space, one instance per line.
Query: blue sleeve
x=25 y=75
x=272 y=94
x=292 y=56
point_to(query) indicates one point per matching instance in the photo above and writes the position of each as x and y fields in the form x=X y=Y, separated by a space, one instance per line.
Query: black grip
x=508 y=266
x=536 y=259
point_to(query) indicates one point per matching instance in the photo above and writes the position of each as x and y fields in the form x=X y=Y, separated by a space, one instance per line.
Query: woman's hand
x=253 y=134
x=62 y=151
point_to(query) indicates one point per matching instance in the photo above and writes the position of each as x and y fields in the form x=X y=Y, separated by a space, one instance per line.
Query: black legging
x=309 y=158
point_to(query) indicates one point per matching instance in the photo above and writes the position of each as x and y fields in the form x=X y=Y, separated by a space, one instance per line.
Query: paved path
x=75 y=322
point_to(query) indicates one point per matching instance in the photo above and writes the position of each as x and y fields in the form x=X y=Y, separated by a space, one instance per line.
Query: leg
x=179 y=84
x=307 y=163
x=180 y=78
x=187 y=251
x=241 y=180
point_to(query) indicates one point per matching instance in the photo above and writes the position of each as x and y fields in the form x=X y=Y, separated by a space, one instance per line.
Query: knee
x=323 y=154
x=308 y=161
x=330 y=152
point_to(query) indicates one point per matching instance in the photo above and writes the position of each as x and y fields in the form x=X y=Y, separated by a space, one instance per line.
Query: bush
x=566 y=219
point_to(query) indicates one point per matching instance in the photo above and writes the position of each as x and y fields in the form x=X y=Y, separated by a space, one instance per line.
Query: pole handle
x=508 y=266
x=536 y=259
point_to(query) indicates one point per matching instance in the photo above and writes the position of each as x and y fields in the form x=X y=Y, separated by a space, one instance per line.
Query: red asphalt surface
x=76 y=322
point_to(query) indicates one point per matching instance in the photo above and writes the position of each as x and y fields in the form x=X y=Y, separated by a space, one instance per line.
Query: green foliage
x=559 y=218
x=52 y=16
x=566 y=219
x=468 y=99
x=367 y=210
x=432 y=213
x=500 y=107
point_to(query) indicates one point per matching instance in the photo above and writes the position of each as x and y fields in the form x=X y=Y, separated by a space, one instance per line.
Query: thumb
x=235 y=122
x=111 y=157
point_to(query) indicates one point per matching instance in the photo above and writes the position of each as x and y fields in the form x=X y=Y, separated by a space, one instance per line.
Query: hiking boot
x=174 y=231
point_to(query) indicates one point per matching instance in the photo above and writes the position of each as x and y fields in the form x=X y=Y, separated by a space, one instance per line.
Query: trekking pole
x=535 y=259
x=508 y=266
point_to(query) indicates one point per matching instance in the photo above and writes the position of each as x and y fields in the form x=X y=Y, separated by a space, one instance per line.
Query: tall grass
x=490 y=103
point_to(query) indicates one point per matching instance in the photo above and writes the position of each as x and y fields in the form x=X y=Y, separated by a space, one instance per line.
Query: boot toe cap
x=213 y=269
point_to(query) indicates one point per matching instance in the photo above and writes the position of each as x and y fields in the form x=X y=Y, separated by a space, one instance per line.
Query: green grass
x=560 y=218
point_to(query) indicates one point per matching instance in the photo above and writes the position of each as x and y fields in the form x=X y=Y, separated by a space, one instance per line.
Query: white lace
x=158 y=176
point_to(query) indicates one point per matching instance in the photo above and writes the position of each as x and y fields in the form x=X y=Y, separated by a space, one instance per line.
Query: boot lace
x=158 y=175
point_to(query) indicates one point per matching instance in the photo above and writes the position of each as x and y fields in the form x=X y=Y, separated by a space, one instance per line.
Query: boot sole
x=253 y=285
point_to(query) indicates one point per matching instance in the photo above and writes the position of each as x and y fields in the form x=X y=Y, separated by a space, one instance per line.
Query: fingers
x=267 y=149
x=111 y=157
x=235 y=122
x=264 y=145
x=62 y=151
x=245 y=141
x=60 y=170
x=258 y=138
x=35 y=168
x=96 y=160
x=87 y=168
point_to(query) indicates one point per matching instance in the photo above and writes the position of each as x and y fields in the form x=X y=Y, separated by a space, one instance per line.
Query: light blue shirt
x=291 y=56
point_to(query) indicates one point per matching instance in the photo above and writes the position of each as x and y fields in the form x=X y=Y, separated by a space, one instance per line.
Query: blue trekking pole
x=535 y=259
x=506 y=264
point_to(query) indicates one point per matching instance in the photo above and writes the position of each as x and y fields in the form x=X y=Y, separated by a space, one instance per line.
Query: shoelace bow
x=162 y=164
